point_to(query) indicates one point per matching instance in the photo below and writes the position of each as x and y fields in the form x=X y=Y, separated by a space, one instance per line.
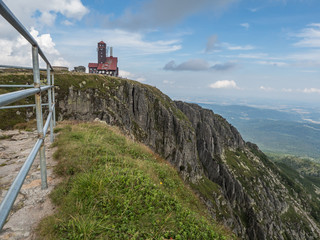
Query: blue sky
x=204 y=50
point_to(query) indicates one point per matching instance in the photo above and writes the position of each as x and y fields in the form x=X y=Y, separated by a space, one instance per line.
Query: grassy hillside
x=114 y=188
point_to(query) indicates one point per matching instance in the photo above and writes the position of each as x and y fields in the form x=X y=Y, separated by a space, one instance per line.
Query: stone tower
x=102 y=52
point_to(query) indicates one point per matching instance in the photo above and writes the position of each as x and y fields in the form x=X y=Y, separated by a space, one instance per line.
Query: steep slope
x=238 y=183
x=263 y=201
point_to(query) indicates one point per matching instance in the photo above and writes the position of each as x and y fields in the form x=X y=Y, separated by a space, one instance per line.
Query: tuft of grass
x=4 y=137
x=27 y=126
x=117 y=189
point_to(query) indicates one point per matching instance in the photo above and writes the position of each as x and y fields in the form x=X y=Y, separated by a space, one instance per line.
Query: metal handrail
x=12 y=193
x=23 y=106
x=19 y=67
x=11 y=97
x=36 y=90
x=16 y=86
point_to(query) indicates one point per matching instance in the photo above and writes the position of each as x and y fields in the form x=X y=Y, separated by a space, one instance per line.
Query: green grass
x=307 y=167
x=117 y=189
x=4 y=137
x=11 y=117
x=304 y=186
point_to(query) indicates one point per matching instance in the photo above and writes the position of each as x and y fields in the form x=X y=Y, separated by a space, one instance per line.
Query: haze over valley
x=278 y=129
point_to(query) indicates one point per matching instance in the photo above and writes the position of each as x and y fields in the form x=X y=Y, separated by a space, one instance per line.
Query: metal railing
x=15 y=96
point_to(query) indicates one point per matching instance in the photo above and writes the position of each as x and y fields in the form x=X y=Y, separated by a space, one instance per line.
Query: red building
x=106 y=65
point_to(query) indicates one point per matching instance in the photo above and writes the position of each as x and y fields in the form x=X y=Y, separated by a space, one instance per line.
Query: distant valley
x=285 y=130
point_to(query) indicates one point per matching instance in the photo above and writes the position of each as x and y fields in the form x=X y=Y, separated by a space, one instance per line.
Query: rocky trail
x=32 y=203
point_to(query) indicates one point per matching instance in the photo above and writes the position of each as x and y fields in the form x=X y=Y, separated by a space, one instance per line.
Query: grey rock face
x=252 y=187
x=143 y=115
x=250 y=197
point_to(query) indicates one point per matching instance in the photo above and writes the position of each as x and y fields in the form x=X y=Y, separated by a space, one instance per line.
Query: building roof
x=93 y=65
x=110 y=64
x=102 y=42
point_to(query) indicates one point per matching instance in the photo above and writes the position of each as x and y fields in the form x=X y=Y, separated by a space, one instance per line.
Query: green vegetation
x=206 y=187
x=3 y=137
x=100 y=85
x=168 y=104
x=11 y=117
x=305 y=166
x=285 y=137
x=305 y=185
x=117 y=189
x=292 y=216
x=81 y=81
x=210 y=191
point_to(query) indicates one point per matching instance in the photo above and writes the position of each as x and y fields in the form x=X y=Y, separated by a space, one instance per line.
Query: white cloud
x=253 y=9
x=289 y=90
x=245 y=25
x=315 y=25
x=47 y=18
x=311 y=90
x=232 y=47
x=310 y=36
x=276 y=64
x=18 y=51
x=67 y=23
x=39 y=12
x=168 y=82
x=132 y=76
x=306 y=59
x=136 y=44
x=60 y=61
x=132 y=44
x=45 y=42
x=71 y=9
x=244 y=48
x=224 y=84
x=125 y=74
x=252 y=56
x=267 y=89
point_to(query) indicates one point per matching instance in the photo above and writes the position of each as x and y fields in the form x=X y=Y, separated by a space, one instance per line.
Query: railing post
x=50 y=102
x=36 y=79
x=53 y=101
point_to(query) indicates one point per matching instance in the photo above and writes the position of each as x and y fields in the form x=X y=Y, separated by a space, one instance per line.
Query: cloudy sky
x=197 y=50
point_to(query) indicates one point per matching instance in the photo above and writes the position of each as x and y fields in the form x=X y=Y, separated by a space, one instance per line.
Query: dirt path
x=32 y=203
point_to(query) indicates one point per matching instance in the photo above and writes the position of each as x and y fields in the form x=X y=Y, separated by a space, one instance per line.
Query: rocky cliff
x=238 y=183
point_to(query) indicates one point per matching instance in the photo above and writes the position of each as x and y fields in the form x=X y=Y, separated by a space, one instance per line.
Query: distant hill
x=289 y=131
